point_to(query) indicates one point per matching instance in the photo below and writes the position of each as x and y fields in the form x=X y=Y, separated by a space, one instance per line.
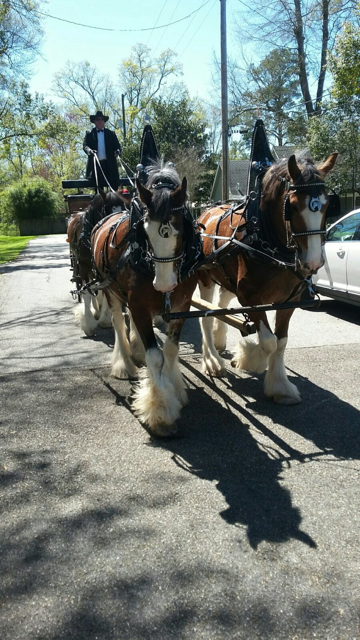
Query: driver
x=106 y=146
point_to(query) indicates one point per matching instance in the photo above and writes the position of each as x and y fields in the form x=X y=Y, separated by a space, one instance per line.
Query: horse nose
x=313 y=267
x=165 y=289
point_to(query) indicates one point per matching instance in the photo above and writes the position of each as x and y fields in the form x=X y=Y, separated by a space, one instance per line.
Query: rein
x=97 y=161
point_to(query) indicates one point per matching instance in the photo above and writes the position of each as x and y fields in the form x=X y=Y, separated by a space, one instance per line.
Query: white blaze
x=165 y=275
x=312 y=257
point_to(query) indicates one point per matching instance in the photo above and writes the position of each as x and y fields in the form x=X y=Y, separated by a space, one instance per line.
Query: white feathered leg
x=156 y=402
x=212 y=363
x=84 y=315
x=254 y=356
x=277 y=385
x=121 y=364
x=220 y=327
x=105 y=311
x=96 y=306
x=172 y=369
x=136 y=344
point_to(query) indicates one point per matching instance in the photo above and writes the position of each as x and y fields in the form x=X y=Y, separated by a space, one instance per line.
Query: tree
x=270 y=89
x=339 y=126
x=142 y=79
x=306 y=27
x=84 y=90
x=344 y=64
x=37 y=140
x=180 y=128
x=20 y=37
x=179 y=123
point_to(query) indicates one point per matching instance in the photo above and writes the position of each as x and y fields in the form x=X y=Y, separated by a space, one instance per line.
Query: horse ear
x=179 y=196
x=329 y=163
x=97 y=202
x=294 y=170
x=144 y=194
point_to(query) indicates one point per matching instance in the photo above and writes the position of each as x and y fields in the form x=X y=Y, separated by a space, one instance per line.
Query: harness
x=138 y=253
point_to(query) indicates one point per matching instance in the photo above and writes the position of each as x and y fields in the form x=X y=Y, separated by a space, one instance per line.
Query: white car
x=339 y=278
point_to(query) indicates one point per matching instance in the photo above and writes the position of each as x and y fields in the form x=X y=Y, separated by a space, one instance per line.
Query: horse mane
x=97 y=202
x=272 y=187
x=160 y=171
x=113 y=201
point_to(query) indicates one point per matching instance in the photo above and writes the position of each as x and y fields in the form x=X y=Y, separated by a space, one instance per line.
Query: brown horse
x=79 y=234
x=141 y=258
x=292 y=215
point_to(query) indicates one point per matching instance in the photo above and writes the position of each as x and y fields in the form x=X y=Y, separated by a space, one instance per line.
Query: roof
x=288 y=150
x=238 y=174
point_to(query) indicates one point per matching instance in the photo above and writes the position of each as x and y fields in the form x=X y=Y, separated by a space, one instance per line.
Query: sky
x=195 y=39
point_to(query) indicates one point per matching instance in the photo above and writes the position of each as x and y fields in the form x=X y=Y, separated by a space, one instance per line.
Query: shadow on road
x=341 y=310
x=87 y=549
x=218 y=446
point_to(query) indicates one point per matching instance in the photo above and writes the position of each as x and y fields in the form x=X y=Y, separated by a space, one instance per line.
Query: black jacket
x=112 y=144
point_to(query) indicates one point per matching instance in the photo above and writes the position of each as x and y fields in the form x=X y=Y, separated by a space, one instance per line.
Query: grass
x=11 y=246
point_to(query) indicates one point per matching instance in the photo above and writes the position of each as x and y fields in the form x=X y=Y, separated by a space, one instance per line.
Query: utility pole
x=123 y=114
x=224 y=104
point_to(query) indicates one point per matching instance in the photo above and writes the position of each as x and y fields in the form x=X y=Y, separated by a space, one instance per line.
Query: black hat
x=99 y=114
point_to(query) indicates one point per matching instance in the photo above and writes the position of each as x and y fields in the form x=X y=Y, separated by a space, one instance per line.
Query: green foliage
x=7 y=229
x=20 y=37
x=334 y=132
x=344 y=63
x=272 y=90
x=142 y=78
x=238 y=150
x=179 y=123
x=206 y=178
x=29 y=199
x=339 y=126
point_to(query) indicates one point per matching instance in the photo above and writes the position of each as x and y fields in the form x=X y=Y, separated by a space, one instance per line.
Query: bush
x=9 y=229
x=29 y=199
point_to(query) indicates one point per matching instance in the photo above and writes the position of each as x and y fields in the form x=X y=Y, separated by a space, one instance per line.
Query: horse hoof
x=124 y=374
x=287 y=400
x=105 y=324
x=163 y=430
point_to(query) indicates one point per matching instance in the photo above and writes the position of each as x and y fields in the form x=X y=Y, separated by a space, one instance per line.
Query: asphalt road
x=244 y=526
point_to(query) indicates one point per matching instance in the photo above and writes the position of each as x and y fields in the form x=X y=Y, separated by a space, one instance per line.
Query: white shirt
x=101 y=145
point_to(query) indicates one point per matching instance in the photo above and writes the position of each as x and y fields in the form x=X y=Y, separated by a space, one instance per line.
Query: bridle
x=314 y=205
x=165 y=230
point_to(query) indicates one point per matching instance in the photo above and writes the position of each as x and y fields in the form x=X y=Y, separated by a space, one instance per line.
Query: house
x=238 y=173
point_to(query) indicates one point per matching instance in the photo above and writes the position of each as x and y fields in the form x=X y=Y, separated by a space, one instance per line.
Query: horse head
x=164 y=197
x=114 y=203
x=295 y=196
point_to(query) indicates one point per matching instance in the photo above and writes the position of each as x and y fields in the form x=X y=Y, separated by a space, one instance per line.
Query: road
x=244 y=526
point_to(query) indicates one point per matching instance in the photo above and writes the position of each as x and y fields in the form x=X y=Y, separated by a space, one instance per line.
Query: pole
x=302 y=304
x=123 y=113
x=224 y=104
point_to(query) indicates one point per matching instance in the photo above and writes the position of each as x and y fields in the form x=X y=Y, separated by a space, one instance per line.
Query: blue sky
x=194 y=39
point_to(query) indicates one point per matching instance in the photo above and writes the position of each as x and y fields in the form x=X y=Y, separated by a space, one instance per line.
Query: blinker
x=315 y=204
x=165 y=231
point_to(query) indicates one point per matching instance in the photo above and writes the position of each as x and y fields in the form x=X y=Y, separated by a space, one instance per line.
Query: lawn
x=11 y=246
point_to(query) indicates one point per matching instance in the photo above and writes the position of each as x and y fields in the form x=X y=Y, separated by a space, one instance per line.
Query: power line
x=162 y=35
x=199 y=27
x=158 y=18
x=89 y=26
x=187 y=28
